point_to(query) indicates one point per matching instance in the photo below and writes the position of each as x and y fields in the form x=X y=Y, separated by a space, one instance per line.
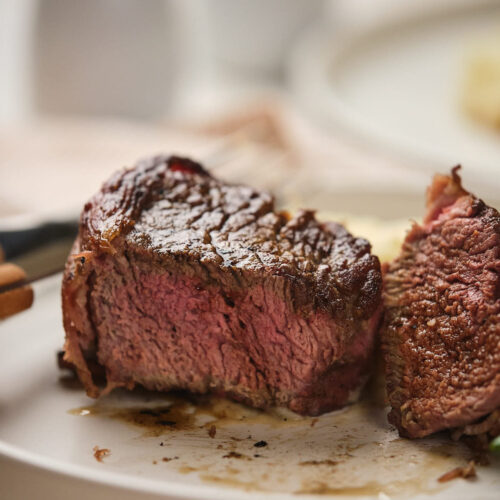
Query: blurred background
x=348 y=106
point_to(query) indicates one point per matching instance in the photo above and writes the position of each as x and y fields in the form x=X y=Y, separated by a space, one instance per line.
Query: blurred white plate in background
x=398 y=86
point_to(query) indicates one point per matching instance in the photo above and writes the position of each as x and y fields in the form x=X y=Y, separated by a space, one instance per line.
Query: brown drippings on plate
x=319 y=462
x=212 y=430
x=235 y=454
x=155 y=421
x=409 y=487
x=183 y=414
x=100 y=453
x=232 y=482
x=341 y=443
x=186 y=469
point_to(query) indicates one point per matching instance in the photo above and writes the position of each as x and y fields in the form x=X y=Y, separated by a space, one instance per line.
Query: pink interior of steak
x=444 y=191
x=168 y=330
x=442 y=325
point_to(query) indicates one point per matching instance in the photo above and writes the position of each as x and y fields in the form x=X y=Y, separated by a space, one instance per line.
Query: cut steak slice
x=177 y=280
x=441 y=332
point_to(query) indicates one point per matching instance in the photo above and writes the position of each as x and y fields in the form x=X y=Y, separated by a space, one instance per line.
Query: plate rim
x=130 y=483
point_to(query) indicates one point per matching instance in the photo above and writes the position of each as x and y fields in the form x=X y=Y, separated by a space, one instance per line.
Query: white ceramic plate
x=397 y=87
x=46 y=447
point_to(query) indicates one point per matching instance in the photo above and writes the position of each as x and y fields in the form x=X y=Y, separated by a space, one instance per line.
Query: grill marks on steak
x=441 y=333
x=191 y=283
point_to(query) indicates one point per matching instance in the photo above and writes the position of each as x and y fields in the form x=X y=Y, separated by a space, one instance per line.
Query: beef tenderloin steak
x=441 y=332
x=180 y=281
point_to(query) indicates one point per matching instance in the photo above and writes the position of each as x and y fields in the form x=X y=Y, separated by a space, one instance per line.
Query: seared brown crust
x=441 y=333
x=239 y=230
x=170 y=211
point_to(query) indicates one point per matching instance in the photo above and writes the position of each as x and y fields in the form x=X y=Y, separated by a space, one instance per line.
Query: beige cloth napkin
x=50 y=168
